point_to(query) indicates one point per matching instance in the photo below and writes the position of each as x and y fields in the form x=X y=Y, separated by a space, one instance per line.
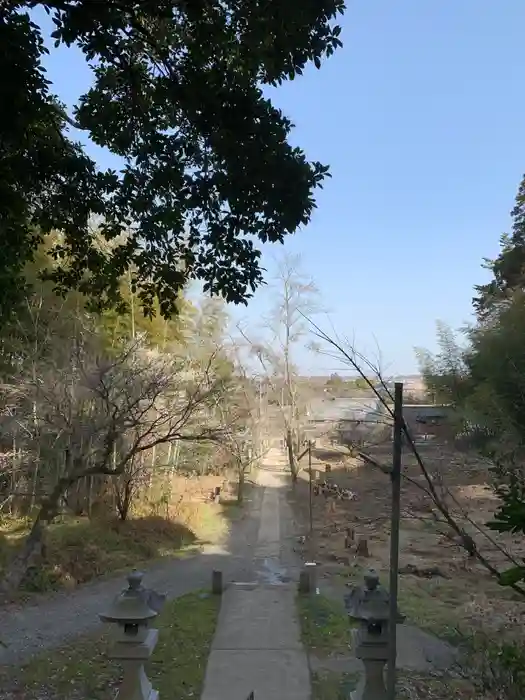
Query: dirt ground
x=441 y=588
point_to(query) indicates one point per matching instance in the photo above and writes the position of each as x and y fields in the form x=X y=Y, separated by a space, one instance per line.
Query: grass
x=325 y=626
x=327 y=685
x=79 y=550
x=417 y=686
x=430 y=604
x=82 y=669
x=326 y=630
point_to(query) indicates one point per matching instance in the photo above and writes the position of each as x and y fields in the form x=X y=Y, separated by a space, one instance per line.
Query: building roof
x=335 y=410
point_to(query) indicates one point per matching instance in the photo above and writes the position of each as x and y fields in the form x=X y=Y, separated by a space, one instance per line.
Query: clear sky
x=420 y=117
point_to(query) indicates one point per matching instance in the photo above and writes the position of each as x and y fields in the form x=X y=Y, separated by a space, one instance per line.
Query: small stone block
x=362 y=548
x=216 y=582
x=304 y=582
x=349 y=538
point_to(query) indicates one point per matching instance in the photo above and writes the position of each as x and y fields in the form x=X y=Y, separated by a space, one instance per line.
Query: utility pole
x=310 y=490
x=308 y=450
x=394 y=537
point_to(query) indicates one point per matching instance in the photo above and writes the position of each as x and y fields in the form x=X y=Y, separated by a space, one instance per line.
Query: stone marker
x=369 y=605
x=308 y=578
x=349 y=537
x=217 y=586
x=132 y=611
x=362 y=548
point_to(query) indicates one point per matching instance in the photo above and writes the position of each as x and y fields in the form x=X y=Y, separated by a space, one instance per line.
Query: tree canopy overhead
x=177 y=94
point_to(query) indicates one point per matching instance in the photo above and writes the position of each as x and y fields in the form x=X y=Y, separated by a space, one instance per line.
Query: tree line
x=98 y=406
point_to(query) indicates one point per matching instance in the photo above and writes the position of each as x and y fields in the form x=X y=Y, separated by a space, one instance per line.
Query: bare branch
x=357 y=361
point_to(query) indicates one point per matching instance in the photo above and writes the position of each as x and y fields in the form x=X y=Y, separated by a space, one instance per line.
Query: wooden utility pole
x=310 y=494
x=310 y=487
x=394 y=537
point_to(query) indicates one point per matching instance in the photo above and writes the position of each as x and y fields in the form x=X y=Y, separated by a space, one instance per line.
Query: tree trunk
x=30 y=553
x=33 y=547
x=89 y=506
x=240 y=485
x=291 y=454
x=152 y=468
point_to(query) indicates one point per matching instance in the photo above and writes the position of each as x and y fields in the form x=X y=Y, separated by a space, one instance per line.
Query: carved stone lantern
x=133 y=610
x=369 y=606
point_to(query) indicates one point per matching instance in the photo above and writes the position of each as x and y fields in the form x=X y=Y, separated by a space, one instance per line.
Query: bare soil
x=441 y=588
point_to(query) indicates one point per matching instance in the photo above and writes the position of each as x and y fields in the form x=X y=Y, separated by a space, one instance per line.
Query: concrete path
x=257 y=644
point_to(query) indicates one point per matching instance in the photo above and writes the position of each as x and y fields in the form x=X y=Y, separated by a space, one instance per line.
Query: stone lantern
x=369 y=606
x=132 y=611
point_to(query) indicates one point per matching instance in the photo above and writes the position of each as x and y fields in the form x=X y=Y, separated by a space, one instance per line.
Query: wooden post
x=394 y=538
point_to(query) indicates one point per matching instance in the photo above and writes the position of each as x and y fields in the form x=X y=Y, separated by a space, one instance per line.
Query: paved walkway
x=257 y=644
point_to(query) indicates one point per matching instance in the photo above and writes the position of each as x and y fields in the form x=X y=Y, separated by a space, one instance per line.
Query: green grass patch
x=430 y=604
x=325 y=626
x=83 y=670
x=327 y=685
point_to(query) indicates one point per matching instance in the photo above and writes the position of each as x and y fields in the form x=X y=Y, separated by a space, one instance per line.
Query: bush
x=496 y=667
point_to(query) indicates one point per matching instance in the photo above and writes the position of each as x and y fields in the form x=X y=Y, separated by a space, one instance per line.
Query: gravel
x=52 y=620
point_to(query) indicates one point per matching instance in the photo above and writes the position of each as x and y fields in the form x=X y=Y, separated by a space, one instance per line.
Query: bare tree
x=294 y=297
x=102 y=413
x=243 y=441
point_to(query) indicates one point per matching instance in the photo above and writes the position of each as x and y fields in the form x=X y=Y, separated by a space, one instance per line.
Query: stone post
x=217 y=585
x=132 y=611
x=369 y=606
x=308 y=578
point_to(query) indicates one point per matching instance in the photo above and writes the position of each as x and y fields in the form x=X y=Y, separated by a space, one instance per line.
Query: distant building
x=427 y=419
x=353 y=418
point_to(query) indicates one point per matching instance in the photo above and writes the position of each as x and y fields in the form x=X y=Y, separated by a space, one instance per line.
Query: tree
x=484 y=380
x=445 y=372
x=243 y=441
x=207 y=169
x=492 y=382
x=508 y=269
x=294 y=297
x=101 y=413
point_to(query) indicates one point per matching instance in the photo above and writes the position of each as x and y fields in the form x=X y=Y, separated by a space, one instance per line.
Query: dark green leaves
x=510 y=516
x=512 y=576
x=208 y=169
x=508 y=268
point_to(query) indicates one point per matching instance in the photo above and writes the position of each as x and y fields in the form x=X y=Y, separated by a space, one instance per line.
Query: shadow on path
x=50 y=620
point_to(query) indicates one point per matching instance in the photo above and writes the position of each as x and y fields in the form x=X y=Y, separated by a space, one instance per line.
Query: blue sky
x=420 y=117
